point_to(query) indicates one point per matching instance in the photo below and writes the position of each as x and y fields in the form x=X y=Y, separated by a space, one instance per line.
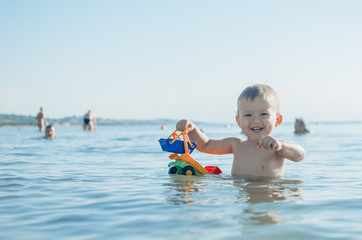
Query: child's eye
x=264 y=114
x=247 y=115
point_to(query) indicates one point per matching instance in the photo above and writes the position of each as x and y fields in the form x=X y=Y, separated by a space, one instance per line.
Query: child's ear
x=237 y=120
x=279 y=120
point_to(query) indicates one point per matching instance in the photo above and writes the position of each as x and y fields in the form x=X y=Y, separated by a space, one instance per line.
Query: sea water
x=113 y=183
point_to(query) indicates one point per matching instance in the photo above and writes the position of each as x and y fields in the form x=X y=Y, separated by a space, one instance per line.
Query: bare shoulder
x=235 y=142
x=234 y=139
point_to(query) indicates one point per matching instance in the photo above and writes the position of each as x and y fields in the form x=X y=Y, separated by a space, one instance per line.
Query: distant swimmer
x=50 y=132
x=300 y=126
x=89 y=121
x=40 y=120
x=164 y=127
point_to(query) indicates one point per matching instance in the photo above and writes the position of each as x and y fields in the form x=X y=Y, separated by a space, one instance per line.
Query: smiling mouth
x=257 y=129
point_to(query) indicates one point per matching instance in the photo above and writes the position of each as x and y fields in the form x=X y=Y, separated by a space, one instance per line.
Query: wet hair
x=49 y=126
x=300 y=122
x=252 y=92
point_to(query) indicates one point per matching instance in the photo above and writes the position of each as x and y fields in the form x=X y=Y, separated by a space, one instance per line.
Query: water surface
x=113 y=184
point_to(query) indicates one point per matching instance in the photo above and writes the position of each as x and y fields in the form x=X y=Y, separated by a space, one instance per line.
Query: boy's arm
x=204 y=144
x=291 y=151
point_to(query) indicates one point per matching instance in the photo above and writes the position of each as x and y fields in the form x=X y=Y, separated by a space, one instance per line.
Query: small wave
x=11 y=185
x=122 y=139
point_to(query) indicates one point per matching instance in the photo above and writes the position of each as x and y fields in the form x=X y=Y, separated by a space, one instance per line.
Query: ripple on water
x=113 y=183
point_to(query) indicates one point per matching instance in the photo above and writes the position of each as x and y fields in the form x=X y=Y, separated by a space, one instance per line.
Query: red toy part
x=213 y=169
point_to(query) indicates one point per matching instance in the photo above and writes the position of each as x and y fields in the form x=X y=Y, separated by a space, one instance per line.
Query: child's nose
x=256 y=119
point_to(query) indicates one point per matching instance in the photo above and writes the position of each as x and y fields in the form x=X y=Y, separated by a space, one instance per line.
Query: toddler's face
x=257 y=118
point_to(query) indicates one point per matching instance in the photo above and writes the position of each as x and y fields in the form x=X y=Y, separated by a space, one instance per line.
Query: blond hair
x=258 y=90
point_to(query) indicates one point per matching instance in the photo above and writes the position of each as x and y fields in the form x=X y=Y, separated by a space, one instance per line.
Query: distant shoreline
x=13 y=120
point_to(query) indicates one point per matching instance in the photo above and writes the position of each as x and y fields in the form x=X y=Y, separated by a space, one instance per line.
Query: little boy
x=260 y=154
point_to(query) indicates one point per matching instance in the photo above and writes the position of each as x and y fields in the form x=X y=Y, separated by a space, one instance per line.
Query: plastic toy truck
x=184 y=164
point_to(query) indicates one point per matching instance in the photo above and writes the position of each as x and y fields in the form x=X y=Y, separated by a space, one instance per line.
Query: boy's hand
x=270 y=143
x=182 y=124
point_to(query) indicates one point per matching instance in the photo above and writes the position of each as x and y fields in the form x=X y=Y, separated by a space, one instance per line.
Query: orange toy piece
x=184 y=164
x=187 y=158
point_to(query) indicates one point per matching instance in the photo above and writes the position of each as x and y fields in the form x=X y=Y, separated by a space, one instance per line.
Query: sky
x=144 y=59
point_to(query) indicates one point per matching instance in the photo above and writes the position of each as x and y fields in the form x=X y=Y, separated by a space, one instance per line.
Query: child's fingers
x=271 y=144
x=265 y=142
x=262 y=144
x=182 y=124
x=275 y=145
x=268 y=143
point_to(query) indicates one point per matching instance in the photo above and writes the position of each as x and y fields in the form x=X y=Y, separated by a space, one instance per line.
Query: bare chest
x=257 y=162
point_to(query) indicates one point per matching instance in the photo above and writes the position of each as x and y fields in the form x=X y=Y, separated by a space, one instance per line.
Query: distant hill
x=16 y=120
x=22 y=120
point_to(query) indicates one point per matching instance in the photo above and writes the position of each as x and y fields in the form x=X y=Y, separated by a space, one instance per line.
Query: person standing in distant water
x=50 y=132
x=40 y=120
x=300 y=126
x=89 y=121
